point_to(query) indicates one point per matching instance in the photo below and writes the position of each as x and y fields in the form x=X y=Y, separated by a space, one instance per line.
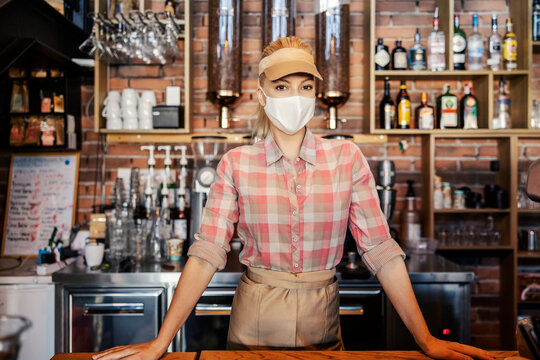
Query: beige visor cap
x=288 y=61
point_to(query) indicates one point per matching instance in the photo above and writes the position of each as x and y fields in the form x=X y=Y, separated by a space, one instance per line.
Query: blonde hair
x=262 y=123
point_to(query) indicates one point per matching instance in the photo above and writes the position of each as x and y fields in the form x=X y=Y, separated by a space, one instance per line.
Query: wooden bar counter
x=295 y=355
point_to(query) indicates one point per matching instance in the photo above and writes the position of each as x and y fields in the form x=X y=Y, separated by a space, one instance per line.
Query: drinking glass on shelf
x=137 y=248
x=442 y=235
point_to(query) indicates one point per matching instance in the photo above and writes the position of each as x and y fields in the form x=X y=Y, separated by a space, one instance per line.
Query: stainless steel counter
x=422 y=269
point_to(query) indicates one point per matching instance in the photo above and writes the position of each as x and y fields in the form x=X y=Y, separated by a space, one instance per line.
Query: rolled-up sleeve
x=218 y=218
x=367 y=222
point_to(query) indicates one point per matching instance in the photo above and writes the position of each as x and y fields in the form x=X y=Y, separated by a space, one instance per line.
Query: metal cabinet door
x=103 y=318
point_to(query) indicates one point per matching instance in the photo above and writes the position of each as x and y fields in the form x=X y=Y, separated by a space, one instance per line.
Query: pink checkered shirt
x=294 y=225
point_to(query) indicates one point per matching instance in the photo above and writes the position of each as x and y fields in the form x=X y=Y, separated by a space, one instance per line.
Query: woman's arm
x=395 y=281
x=194 y=279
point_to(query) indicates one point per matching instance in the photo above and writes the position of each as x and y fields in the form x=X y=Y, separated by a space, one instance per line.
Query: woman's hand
x=145 y=351
x=441 y=349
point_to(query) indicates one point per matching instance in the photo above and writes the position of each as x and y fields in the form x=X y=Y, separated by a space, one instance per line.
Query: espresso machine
x=207 y=151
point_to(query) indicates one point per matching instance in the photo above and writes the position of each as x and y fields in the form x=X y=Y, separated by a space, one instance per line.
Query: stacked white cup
x=147 y=101
x=112 y=111
x=130 y=100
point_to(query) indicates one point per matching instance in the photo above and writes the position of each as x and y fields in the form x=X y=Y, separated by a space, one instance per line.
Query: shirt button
x=294 y=213
x=295 y=265
x=297 y=159
x=298 y=187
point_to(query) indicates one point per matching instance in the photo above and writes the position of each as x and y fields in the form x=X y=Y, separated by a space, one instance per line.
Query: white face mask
x=289 y=114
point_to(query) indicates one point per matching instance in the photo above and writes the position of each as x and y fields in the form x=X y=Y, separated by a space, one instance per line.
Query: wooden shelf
x=528 y=211
x=524 y=303
x=476 y=248
x=173 y=135
x=471 y=211
x=528 y=254
x=536 y=43
x=461 y=132
x=454 y=74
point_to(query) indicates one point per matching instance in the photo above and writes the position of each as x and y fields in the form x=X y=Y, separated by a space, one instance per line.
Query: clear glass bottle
x=475 y=47
x=411 y=227
x=510 y=47
x=501 y=118
x=459 y=45
x=536 y=20
x=436 y=46
x=417 y=54
x=494 y=46
x=438 y=199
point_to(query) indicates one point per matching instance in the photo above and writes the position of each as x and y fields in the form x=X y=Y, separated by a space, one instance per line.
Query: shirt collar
x=308 y=150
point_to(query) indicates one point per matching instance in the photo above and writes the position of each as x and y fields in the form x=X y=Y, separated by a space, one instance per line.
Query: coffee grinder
x=207 y=151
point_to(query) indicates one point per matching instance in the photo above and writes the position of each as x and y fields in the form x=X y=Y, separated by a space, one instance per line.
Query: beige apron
x=275 y=310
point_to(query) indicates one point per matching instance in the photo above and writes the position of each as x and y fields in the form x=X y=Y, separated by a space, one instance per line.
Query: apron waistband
x=306 y=281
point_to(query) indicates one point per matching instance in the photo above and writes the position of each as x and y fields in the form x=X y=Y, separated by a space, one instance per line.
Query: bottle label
x=459 y=58
x=459 y=44
x=476 y=51
x=436 y=43
x=180 y=229
x=449 y=106
x=400 y=60
x=389 y=114
x=510 y=49
x=425 y=118
x=404 y=112
x=470 y=114
x=382 y=58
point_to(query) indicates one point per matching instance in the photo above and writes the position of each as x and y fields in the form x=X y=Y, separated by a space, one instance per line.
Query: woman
x=292 y=196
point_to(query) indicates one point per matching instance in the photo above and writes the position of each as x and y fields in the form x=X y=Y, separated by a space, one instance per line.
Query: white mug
x=114 y=122
x=130 y=98
x=111 y=109
x=93 y=253
x=131 y=123
x=112 y=97
x=129 y=112
x=148 y=96
x=145 y=118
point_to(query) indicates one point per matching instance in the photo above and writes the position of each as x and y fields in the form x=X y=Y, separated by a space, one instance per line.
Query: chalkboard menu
x=41 y=195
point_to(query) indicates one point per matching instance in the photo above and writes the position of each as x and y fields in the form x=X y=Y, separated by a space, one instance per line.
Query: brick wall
x=454 y=158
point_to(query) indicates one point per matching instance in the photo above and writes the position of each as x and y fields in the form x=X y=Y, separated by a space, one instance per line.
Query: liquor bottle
x=424 y=114
x=436 y=46
x=403 y=108
x=494 y=46
x=411 y=228
x=536 y=20
x=170 y=7
x=399 y=57
x=469 y=109
x=417 y=55
x=459 y=45
x=501 y=120
x=382 y=56
x=181 y=220
x=447 y=110
x=475 y=50
x=509 y=47
x=387 y=108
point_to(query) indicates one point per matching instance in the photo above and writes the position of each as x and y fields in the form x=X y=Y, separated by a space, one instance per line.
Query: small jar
x=447 y=195
x=459 y=199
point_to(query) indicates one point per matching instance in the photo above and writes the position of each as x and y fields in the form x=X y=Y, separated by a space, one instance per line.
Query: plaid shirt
x=294 y=225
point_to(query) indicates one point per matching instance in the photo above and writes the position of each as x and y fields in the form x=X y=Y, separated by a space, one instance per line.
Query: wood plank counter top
x=292 y=355
x=88 y=356
x=328 y=355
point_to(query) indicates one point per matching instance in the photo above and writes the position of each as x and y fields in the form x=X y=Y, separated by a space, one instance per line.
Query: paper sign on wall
x=41 y=195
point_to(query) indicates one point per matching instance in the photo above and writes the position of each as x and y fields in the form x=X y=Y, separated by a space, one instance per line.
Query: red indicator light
x=446 y=331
